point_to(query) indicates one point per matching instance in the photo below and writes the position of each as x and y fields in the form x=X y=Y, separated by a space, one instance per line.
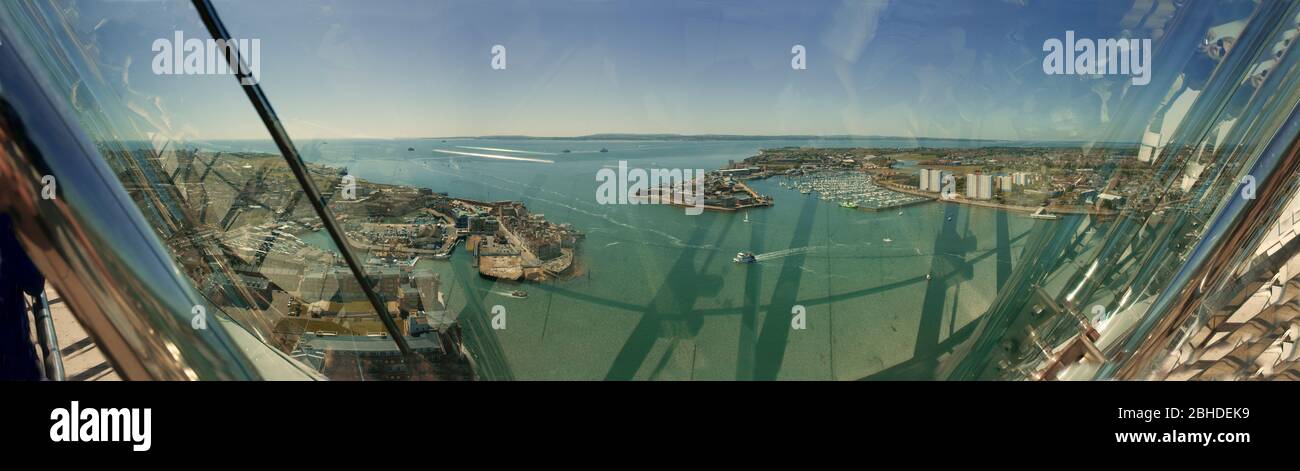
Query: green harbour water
x=659 y=296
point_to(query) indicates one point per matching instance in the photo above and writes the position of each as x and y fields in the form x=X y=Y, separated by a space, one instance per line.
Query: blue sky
x=922 y=68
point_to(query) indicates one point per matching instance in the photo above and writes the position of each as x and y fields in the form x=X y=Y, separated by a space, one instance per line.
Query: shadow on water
x=923 y=364
x=756 y=276
x=1004 y=249
x=769 y=349
x=748 y=335
x=950 y=270
x=670 y=313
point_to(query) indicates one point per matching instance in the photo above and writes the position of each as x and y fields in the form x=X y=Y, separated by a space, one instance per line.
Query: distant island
x=793 y=137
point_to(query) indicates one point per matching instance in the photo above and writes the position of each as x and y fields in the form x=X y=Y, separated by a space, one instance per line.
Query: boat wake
x=495 y=149
x=493 y=156
x=784 y=253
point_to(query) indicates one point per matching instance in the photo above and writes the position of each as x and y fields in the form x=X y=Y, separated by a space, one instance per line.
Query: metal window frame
x=252 y=89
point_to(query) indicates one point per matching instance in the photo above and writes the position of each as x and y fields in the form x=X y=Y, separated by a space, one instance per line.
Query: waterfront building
x=1005 y=183
x=738 y=172
x=1110 y=201
x=979 y=186
x=483 y=225
x=985 y=187
x=545 y=248
x=1021 y=178
x=935 y=180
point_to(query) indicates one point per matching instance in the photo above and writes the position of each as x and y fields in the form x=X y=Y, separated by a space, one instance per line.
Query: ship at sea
x=828 y=248
x=745 y=257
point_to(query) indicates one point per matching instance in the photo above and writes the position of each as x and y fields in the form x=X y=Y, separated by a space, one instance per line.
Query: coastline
x=1002 y=206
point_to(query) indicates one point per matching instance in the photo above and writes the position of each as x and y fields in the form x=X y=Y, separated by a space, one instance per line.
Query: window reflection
x=940 y=252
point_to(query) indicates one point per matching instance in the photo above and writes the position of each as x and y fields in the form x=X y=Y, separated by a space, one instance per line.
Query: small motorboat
x=888 y=240
x=518 y=294
x=745 y=257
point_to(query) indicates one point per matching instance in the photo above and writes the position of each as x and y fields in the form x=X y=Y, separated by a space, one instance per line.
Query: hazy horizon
x=945 y=69
x=650 y=136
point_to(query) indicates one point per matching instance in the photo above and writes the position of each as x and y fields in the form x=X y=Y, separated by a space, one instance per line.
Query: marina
x=804 y=252
x=850 y=189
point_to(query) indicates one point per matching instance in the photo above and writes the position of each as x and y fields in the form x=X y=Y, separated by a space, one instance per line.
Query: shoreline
x=992 y=205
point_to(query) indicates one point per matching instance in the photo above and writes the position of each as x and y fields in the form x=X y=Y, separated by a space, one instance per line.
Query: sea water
x=659 y=296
